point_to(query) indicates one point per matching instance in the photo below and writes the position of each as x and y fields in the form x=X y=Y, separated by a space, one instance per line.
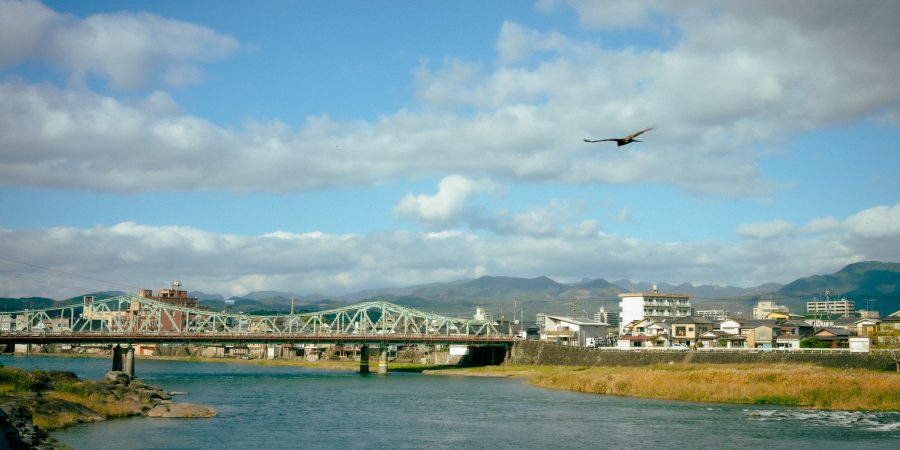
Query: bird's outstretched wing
x=597 y=140
x=636 y=134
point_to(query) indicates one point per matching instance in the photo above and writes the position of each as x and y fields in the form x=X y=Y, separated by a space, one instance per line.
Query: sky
x=333 y=146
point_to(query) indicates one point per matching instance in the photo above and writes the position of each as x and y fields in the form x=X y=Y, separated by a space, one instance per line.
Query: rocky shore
x=31 y=404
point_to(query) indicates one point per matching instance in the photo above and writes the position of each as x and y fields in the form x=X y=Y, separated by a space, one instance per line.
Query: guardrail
x=736 y=350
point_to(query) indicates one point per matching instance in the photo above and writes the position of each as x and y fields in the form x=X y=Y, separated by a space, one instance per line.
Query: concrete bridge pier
x=117 y=358
x=364 y=360
x=129 y=361
x=382 y=360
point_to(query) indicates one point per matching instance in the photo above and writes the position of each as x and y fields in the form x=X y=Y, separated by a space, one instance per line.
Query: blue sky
x=328 y=147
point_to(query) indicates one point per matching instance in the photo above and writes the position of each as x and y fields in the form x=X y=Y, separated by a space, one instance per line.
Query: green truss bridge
x=131 y=320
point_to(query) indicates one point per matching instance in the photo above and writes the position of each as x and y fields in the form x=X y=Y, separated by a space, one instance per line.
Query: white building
x=572 y=331
x=764 y=307
x=637 y=305
x=843 y=307
x=713 y=314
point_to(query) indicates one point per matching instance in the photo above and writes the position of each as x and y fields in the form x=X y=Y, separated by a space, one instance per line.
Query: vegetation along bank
x=32 y=403
x=802 y=385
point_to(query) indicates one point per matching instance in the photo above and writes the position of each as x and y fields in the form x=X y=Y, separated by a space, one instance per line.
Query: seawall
x=544 y=353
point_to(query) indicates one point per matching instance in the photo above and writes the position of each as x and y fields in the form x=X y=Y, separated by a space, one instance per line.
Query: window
x=679 y=331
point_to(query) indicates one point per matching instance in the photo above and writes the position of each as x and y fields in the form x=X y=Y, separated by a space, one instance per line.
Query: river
x=291 y=407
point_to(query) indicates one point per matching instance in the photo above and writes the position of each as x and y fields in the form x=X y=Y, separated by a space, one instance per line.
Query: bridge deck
x=273 y=338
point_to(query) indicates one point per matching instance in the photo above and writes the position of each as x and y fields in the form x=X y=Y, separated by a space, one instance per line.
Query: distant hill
x=704 y=291
x=870 y=282
x=875 y=284
x=19 y=304
x=200 y=295
x=490 y=288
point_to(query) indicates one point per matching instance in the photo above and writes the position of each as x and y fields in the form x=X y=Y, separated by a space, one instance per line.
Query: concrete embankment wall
x=544 y=353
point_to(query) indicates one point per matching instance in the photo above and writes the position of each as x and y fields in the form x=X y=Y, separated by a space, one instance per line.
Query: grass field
x=795 y=385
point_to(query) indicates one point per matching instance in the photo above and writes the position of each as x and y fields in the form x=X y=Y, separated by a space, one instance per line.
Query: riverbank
x=33 y=403
x=798 y=385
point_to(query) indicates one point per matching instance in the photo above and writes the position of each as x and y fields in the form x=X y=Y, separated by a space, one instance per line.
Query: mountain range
x=872 y=285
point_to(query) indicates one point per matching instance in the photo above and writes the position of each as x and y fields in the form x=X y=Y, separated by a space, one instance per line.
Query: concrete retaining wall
x=543 y=353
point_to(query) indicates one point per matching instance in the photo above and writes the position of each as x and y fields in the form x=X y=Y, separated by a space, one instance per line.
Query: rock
x=19 y=432
x=185 y=410
x=117 y=377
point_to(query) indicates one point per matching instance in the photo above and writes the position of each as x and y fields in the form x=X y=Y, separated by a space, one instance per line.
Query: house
x=789 y=341
x=573 y=331
x=713 y=339
x=838 y=337
x=646 y=326
x=661 y=329
x=637 y=305
x=626 y=342
x=731 y=326
x=686 y=330
x=866 y=327
x=760 y=333
x=531 y=332
x=796 y=327
x=891 y=322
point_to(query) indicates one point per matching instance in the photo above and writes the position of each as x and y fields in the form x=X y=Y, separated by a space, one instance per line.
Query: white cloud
x=135 y=255
x=774 y=229
x=22 y=30
x=614 y=13
x=129 y=50
x=878 y=222
x=445 y=207
x=559 y=216
x=517 y=43
x=752 y=77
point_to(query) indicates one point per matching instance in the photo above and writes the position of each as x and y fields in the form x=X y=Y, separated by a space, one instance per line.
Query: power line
x=68 y=286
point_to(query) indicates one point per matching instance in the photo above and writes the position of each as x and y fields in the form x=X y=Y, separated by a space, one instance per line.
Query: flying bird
x=622 y=141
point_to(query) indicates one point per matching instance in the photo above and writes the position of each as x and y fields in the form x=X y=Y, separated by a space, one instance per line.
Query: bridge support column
x=383 y=360
x=364 y=360
x=117 y=358
x=129 y=361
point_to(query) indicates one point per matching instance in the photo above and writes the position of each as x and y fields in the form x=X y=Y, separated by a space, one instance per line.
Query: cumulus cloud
x=445 y=207
x=878 y=222
x=726 y=87
x=130 y=256
x=129 y=50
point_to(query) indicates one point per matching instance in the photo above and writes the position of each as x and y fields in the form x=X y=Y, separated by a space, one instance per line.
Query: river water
x=290 y=407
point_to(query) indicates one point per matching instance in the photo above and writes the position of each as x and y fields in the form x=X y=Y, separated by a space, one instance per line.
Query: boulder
x=117 y=377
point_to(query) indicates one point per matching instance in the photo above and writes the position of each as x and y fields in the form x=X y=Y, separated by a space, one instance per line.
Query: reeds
x=795 y=385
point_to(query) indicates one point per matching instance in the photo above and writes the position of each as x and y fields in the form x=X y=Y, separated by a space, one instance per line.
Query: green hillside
x=19 y=304
x=869 y=284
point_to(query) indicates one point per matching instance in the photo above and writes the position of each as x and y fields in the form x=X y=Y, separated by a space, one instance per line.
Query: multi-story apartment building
x=610 y=318
x=843 y=307
x=637 y=305
x=766 y=306
x=713 y=314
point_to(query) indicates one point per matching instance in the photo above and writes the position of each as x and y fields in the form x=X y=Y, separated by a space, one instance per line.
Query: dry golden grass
x=51 y=422
x=797 y=385
x=97 y=405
